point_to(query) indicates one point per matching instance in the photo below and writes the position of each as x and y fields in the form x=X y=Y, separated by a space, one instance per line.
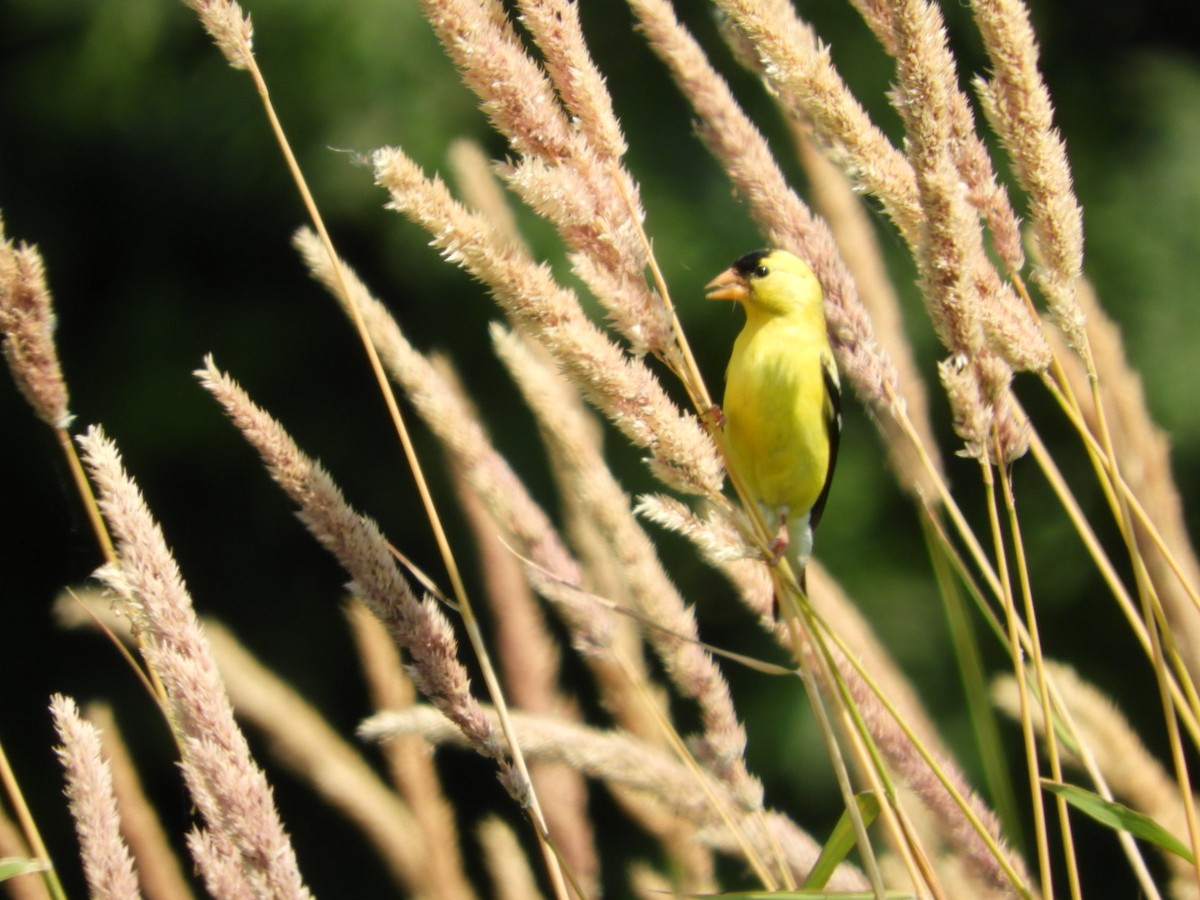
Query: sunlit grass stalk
x=970 y=666
x=28 y=826
x=1156 y=628
x=795 y=610
x=935 y=767
x=1018 y=665
x=1051 y=741
x=1026 y=641
x=761 y=867
x=1162 y=676
x=875 y=771
x=1078 y=518
x=1059 y=390
x=240 y=55
x=961 y=570
x=158 y=868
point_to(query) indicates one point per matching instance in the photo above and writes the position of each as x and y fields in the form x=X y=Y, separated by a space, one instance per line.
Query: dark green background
x=144 y=169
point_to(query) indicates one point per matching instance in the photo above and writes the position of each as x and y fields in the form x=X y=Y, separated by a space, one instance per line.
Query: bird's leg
x=780 y=543
x=716 y=416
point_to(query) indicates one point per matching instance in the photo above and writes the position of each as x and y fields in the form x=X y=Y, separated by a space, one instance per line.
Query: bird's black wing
x=833 y=421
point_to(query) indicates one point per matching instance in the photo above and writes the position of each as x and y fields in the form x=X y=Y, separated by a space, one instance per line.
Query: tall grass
x=548 y=636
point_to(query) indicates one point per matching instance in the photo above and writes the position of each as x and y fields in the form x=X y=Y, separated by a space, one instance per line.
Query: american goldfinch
x=782 y=396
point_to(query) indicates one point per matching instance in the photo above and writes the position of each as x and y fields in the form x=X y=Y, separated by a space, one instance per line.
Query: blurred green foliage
x=145 y=170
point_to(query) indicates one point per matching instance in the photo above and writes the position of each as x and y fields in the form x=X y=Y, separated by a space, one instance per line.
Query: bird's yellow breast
x=777 y=412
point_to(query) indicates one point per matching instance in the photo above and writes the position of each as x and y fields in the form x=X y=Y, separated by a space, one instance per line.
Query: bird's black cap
x=748 y=263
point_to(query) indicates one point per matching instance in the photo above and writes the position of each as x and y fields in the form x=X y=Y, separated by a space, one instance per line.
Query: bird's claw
x=779 y=545
x=716 y=416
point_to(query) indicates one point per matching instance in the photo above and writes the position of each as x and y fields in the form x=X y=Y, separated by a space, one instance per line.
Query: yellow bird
x=782 y=405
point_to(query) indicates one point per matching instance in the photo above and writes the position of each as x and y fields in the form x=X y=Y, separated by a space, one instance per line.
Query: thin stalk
x=1039 y=668
x=1191 y=720
x=29 y=828
x=934 y=767
x=1084 y=751
x=553 y=867
x=145 y=673
x=84 y=487
x=685 y=756
x=1152 y=615
x=948 y=501
x=964 y=572
x=970 y=666
x=815 y=700
x=1124 y=503
x=1018 y=665
x=1135 y=505
x=906 y=842
x=1128 y=844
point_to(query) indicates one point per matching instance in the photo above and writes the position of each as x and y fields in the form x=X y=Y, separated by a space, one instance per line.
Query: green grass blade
x=1115 y=815
x=12 y=866
x=841 y=842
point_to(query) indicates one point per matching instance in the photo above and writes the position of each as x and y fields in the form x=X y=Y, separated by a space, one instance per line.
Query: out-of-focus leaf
x=1114 y=815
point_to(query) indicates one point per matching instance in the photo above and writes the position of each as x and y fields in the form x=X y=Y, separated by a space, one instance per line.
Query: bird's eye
x=761 y=272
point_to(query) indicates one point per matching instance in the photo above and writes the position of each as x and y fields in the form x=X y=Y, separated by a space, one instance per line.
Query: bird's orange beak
x=729 y=285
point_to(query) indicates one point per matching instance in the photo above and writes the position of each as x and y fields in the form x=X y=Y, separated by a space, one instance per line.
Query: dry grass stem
x=624 y=762
x=691 y=669
x=409 y=759
x=232 y=32
x=418 y=626
x=506 y=863
x=1018 y=106
x=910 y=745
x=1130 y=770
x=158 y=870
x=242 y=827
x=529 y=663
x=304 y=743
x=1143 y=453
x=107 y=863
x=850 y=224
x=27 y=323
x=622 y=387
